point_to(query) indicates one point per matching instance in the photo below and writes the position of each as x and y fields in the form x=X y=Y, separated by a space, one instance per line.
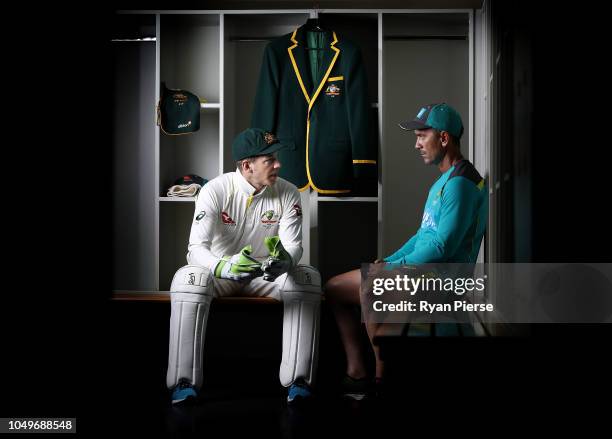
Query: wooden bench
x=164 y=296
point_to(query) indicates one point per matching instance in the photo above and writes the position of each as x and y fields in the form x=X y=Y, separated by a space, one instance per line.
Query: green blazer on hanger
x=324 y=119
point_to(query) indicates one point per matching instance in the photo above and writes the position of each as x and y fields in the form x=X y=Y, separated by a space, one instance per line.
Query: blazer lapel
x=297 y=55
x=330 y=56
x=300 y=63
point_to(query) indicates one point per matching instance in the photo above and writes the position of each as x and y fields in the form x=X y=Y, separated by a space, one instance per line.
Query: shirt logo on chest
x=269 y=217
x=227 y=219
x=428 y=221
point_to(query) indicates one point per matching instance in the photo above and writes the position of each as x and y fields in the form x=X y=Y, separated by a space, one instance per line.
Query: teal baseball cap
x=442 y=117
x=253 y=142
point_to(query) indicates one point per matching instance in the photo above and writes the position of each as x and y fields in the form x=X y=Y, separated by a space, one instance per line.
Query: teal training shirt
x=454 y=220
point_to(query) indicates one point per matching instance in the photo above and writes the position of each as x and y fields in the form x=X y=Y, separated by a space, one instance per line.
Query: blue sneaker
x=184 y=391
x=299 y=390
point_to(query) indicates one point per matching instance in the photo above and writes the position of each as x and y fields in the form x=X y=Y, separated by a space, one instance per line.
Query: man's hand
x=279 y=261
x=376 y=267
x=240 y=267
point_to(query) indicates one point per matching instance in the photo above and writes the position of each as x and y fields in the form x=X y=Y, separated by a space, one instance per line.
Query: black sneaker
x=356 y=389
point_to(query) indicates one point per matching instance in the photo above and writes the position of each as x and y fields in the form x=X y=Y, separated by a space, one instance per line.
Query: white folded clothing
x=184 y=190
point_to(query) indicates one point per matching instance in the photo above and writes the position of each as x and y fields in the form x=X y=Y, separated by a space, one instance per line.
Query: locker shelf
x=178 y=199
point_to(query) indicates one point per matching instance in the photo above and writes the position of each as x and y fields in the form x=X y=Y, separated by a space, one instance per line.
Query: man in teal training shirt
x=455 y=214
x=453 y=224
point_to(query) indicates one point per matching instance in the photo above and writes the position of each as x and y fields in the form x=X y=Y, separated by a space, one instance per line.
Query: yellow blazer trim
x=312 y=101
x=295 y=67
x=329 y=69
x=336 y=78
x=481 y=184
x=310 y=104
x=373 y=162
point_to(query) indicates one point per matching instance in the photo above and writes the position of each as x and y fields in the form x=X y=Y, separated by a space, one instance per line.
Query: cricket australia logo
x=332 y=90
x=270 y=138
x=268 y=217
x=179 y=98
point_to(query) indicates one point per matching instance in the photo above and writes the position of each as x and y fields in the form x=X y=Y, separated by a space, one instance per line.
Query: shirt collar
x=245 y=186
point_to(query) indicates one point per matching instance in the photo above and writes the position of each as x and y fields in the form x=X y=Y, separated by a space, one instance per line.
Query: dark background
x=64 y=353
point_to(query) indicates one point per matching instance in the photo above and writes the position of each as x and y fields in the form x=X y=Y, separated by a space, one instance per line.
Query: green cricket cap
x=253 y=142
x=442 y=117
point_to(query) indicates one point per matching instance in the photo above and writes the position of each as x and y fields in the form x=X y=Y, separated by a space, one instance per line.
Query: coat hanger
x=314 y=25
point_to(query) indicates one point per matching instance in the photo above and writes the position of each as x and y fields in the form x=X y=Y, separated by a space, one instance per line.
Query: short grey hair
x=248 y=159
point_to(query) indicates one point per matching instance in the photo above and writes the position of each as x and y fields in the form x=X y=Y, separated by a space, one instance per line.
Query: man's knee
x=193 y=279
x=332 y=285
x=302 y=281
x=337 y=286
x=343 y=288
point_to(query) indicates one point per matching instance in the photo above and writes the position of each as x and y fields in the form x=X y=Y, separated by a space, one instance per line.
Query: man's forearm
x=200 y=255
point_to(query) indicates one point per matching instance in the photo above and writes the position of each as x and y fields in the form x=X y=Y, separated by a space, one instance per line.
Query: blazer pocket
x=335 y=78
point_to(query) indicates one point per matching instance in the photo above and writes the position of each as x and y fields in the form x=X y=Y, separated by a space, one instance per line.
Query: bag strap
x=163 y=90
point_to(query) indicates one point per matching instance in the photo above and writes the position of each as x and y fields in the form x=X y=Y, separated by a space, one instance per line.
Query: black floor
x=232 y=414
x=241 y=392
x=123 y=390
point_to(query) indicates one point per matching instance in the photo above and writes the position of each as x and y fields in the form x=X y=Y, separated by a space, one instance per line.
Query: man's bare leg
x=342 y=291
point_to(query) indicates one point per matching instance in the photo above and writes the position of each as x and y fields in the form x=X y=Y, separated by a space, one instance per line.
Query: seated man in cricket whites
x=246 y=239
